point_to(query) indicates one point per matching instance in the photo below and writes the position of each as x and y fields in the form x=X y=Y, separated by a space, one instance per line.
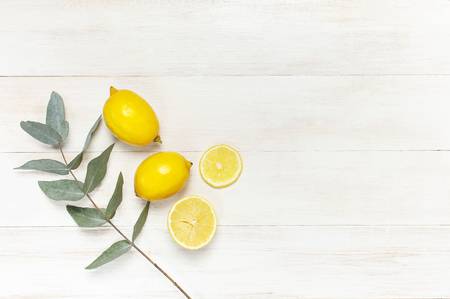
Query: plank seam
x=242 y=151
x=446 y=225
x=235 y=75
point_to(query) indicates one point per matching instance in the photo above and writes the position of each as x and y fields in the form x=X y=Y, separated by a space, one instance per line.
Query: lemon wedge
x=192 y=222
x=220 y=166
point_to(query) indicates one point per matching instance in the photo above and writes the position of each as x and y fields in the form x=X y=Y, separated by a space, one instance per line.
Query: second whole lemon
x=161 y=175
x=130 y=118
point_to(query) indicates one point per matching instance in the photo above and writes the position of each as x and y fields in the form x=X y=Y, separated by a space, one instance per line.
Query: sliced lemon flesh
x=220 y=166
x=192 y=222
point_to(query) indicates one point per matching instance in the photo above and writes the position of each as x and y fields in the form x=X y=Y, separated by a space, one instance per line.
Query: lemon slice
x=192 y=222
x=220 y=166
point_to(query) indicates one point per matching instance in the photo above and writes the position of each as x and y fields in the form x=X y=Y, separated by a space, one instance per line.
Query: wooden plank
x=296 y=188
x=252 y=262
x=43 y=38
x=251 y=113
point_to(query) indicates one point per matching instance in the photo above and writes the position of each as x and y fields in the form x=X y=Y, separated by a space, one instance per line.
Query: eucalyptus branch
x=133 y=244
x=54 y=132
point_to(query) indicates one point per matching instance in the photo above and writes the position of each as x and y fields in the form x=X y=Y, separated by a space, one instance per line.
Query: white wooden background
x=340 y=109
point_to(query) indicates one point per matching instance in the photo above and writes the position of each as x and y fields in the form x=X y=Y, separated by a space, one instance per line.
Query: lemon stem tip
x=158 y=139
x=112 y=90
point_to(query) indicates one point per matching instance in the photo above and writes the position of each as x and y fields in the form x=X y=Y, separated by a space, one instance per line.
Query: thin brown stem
x=126 y=238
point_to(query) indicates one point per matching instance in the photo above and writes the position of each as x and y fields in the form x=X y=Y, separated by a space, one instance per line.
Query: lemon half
x=220 y=166
x=192 y=222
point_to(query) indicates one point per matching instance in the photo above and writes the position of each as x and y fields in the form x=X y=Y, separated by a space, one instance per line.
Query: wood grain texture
x=305 y=188
x=241 y=262
x=224 y=37
x=339 y=108
x=253 y=113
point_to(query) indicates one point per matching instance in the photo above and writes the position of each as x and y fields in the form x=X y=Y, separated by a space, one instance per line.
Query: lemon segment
x=192 y=222
x=220 y=166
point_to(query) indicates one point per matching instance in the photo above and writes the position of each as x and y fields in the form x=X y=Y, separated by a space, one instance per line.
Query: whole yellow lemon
x=130 y=118
x=161 y=175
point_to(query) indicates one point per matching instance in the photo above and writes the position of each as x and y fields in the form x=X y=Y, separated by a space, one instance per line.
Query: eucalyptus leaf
x=116 y=198
x=62 y=189
x=56 y=118
x=47 y=165
x=141 y=221
x=75 y=161
x=114 y=251
x=86 y=217
x=79 y=158
x=41 y=132
x=96 y=170
x=91 y=133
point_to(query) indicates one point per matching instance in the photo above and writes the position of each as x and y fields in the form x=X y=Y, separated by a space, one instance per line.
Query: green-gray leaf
x=41 y=132
x=86 y=217
x=75 y=162
x=96 y=170
x=91 y=133
x=46 y=165
x=62 y=189
x=113 y=252
x=116 y=198
x=56 y=118
x=141 y=221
